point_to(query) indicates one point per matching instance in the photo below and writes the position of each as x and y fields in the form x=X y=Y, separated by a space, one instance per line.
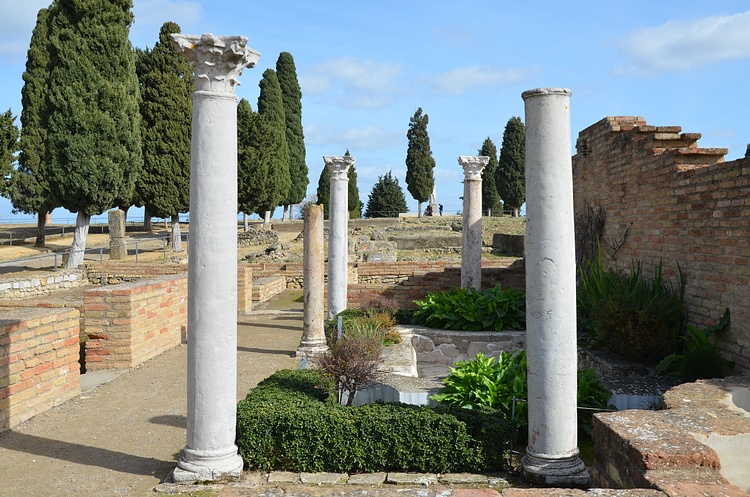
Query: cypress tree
x=324 y=190
x=291 y=95
x=274 y=146
x=420 y=180
x=166 y=88
x=247 y=156
x=354 y=204
x=29 y=185
x=8 y=147
x=93 y=151
x=490 y=197
x=386 y=198
x=510 y=175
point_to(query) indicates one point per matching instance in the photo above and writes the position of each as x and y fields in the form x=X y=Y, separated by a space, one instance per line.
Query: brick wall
x=677 y=202
x=38 y=362
x=244 y=288
x=130 y=323
x=20 y=288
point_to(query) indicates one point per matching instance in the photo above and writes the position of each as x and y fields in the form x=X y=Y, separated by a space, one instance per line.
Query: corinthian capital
x=473 y=166
x=339 y=166
x=217 y=61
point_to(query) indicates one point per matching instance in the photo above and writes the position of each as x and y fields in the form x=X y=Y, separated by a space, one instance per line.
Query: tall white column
x=552 y=452
x=313 y=325
x=210 y=453
x=471 y=251
x=338 y=236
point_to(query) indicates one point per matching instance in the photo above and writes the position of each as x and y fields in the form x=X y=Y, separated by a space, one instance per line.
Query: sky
x=366 y=67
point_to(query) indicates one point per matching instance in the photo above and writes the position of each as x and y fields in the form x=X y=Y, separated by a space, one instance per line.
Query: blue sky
x=365 y=68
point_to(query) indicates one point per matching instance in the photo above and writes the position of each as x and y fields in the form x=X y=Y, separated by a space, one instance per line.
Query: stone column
x=117 y=248
x=210 y=453
x=338 y=236
x=313 y=335
x=552 y=454
x=471 y=250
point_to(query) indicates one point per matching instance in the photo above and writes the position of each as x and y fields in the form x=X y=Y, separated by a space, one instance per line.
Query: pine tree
x=93 y=151
x=291 y=95
x=166 y=88
x=354 y=204
x=490 y=198
x=420 y=179
x=8 y=147
x=29 y=186
x=386 y=199
x=324 y=190
x=510 y=175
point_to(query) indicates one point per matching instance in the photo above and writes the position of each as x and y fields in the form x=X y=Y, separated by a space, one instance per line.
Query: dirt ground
x=122 y=438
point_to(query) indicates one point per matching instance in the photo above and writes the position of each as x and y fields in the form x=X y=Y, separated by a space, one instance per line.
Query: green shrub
x=483 y=383
x=700 y=356
x=378 y=323
x=637 y=317
x=467 y=309
x=281 y=428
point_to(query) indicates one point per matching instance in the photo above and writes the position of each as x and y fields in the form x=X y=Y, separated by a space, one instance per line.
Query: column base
x=208 y=465
x=568 y=472
x=310 y=351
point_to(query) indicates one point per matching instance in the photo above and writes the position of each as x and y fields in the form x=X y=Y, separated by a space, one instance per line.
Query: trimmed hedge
x=291 y=422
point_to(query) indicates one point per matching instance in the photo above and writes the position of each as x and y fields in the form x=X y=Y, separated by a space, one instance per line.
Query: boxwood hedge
x=291 y=422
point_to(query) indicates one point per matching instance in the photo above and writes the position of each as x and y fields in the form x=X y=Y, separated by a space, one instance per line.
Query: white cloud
x=462 y=79
x=685 y=45
x=353 y=82
x=366 y=138
x=16 y=24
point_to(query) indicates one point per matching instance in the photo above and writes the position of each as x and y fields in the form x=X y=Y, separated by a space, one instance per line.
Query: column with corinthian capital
x=338 y=235
x=210 y=453
x=471 y=249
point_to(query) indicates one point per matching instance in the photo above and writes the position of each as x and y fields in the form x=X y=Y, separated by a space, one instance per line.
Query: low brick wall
x=39 y=367
x=244 y=289
x=25 y=287
x=115 y=272
x=130 y=323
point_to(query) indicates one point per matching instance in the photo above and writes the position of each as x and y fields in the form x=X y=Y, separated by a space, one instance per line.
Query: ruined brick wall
x=38 y=362
x=679 y=203
x=130 y=323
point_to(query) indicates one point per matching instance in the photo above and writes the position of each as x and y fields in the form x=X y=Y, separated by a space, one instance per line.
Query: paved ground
x=123 y=437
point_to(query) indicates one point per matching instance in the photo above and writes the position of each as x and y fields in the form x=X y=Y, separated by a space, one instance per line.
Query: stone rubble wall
x=678 y=203
x=128 y=324
x=39 y=368
x=20 y=288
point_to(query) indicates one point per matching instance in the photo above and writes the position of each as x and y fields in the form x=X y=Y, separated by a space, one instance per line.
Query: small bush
x=467 y=309
x=637 y=317
x=375 y=322
x=281 y=428
x=353 y=362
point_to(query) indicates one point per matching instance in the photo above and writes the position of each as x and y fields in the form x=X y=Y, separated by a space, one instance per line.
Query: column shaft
x=552 y=453
x=313 y=334
x=210 y=452
x=338 y=233
x=471 y=250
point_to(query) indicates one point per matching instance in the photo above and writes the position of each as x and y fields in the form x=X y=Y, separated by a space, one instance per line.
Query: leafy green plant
x=489 y=383
x=289 y=422
x=700 y=356
x=485 y=383
x=467 y=309
x=631 y=314
x=377 y=323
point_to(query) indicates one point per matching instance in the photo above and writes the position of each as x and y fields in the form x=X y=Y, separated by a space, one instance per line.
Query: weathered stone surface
x=283 y=477
x=412 y=478
x=508 y=244
x=257 y=236
x=323 y=478
x=463 y=479
x=373 y=479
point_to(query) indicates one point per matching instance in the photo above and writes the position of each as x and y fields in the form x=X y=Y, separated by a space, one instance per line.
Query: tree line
x=105 y=125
